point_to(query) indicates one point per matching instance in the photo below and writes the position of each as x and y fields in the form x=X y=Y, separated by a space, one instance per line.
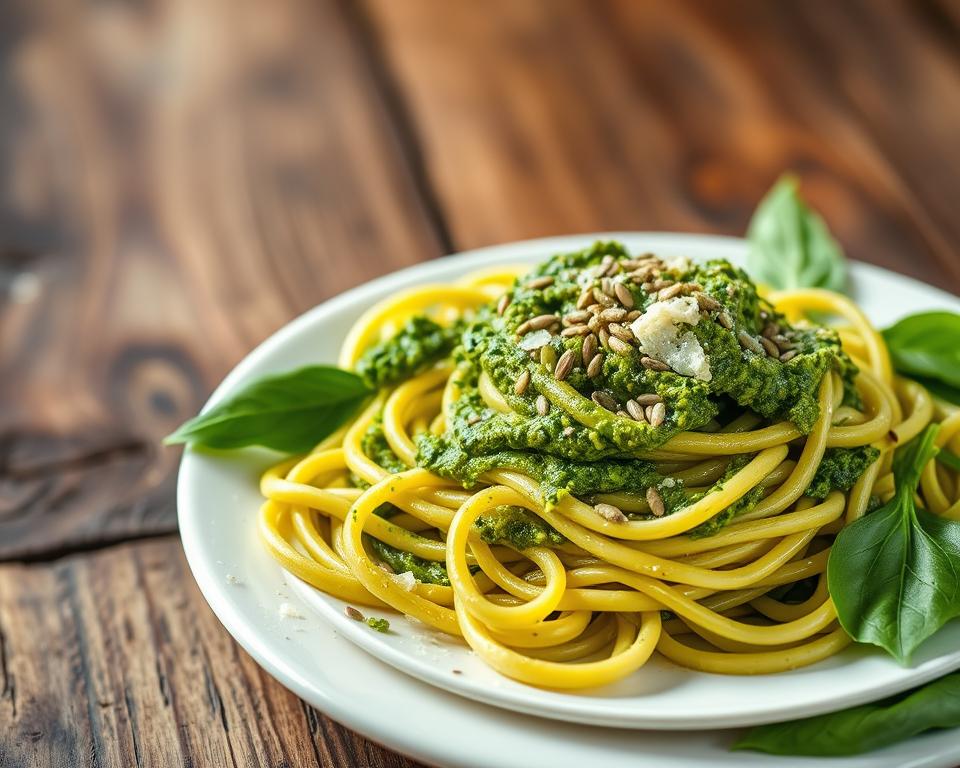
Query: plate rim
x=413 y=274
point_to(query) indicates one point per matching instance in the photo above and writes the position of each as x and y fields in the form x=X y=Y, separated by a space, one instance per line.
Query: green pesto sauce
x=411 y=350
x=557 y=449
x=840 y=468
x=518 y=528
x=375 y=445
x=424 y=571
x=557 y=477
x=380 y=625
x=745 y=503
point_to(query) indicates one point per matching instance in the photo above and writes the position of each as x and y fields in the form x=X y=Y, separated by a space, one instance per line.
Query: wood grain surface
x=179 y=178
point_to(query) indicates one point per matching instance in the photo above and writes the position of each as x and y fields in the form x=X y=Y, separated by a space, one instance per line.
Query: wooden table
x=180 y=178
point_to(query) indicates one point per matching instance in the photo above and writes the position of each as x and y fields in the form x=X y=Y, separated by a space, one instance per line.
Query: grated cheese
x=406 y=580
x=661 y=338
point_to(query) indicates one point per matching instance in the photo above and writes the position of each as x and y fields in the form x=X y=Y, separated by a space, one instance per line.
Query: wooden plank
x=539 y=118
x=115 y=655
x=177 y=180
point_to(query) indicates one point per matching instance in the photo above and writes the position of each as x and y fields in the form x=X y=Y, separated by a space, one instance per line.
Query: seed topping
x=540 y=282
x=595 y=366
x=653 y=365
x=610 y=513
x=605 y=400
x=655 y=500
x=522 y=382
x=748 y=342
x=564 y=365
x=623 y=294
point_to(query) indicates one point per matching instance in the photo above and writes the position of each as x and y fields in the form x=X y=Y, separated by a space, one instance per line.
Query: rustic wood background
x=179 y=178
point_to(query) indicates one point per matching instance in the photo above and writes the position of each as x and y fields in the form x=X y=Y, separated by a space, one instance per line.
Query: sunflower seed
x=648 y=287
x=543 y=405
x=596 y=365
x=589 y=349
x=665 y=294
x=731 y=290
x=522 y=383
x=624 y=415
x=575 y=330
x=783 y=342
x=770 y=347
x=548 y=356
x=540 y=282
x=606 y=285
x=503 y=303
x=601 y=298
x=659 y=284
x=567 y=431
x=595 y=324
x=603 y=268
x=725 y=320
x=619 y=346
x=622 y=333
x=542 y=321
x=610 y=513
x=623 y=293
x=523 y=328
x=658 y=412
x=629 y=264
x=789 y=355
x=655 y=500
x=475 y=419
x=575 y=318
x=633 y=315
x=635 y=410
x=605 y=400
x=650 y=399
x=771 y=330
x=692 y=287
x=613 y=314
x=353 y=613
x=604 y=335
x=585 y=299
x=707 y=303
x=594 y=309
x=653 y=365
x=748 y=342
x=564 y=365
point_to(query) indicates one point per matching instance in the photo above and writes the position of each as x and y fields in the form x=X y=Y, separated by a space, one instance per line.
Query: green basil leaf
x=864 y=728
x=790 y=245
x=949 y=459
x=288 y=412
x=894 y=575
x=927 y=346
x=938 y=388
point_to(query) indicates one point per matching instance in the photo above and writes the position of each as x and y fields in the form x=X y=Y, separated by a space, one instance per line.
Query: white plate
x=218 y=499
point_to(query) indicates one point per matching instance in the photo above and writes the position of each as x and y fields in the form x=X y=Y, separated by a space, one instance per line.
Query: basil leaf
x=790 y=245
x=289 y=412
x=864 y=728
x=938 y=388
x=949 y=459
x=894 y=575
x=927 y=346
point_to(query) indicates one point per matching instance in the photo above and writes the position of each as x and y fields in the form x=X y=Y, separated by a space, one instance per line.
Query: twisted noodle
x=589 y=611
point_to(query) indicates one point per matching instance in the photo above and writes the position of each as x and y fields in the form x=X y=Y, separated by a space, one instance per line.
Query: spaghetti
x=566 y=535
